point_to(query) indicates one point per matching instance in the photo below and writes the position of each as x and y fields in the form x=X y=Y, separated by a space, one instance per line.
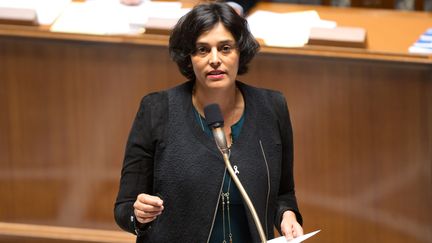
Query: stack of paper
x=151 y=14
x=423 y=45
x=108 y=17
x=286 y=29
x=92 y=17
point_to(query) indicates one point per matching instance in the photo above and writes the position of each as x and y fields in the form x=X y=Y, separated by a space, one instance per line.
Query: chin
x=222 y=83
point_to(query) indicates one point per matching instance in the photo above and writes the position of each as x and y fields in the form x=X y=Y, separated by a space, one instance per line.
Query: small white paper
x=290 y=29
x=110 y=17
x=92 y=17
x=295 y=240
x=138 y=15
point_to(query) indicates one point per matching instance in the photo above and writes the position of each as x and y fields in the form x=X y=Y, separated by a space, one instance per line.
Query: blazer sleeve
x=286 y=196
x=137 y=170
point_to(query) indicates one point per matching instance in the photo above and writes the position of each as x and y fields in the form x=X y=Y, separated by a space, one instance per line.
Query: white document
x=171 y=12
x=290 y=29
x=93 y=17
x=110 y=17
x=295 y=240
x=138 y=15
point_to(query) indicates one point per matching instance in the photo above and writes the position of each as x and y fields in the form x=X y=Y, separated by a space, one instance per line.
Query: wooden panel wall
x=67 y=108
x=363 y=147
x=362 y=129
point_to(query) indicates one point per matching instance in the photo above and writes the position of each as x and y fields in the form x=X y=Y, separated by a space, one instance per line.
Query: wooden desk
x=361 y=118
x=389 y=33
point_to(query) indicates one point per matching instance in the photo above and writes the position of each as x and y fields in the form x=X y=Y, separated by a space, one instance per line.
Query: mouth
x=216 y=74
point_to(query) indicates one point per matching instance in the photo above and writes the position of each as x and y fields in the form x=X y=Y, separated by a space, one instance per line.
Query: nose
x=214 y=59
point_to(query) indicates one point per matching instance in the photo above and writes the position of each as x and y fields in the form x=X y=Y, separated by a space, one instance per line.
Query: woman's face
x=216 y=59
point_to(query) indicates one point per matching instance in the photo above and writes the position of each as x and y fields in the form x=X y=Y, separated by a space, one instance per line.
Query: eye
x=201 y=50
x=226 y=49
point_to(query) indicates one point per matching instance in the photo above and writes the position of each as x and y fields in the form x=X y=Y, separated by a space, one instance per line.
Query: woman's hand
x=147 y=208
x=289 y=226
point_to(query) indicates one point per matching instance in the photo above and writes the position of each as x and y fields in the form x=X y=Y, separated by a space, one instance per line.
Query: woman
x=174 y=185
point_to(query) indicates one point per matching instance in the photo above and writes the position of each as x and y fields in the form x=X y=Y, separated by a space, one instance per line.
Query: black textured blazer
x=168 y=154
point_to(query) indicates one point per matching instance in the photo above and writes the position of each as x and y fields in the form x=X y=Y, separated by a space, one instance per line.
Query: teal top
x=237 y=214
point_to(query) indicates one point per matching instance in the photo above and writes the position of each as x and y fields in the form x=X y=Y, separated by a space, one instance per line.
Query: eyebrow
x=220 y=42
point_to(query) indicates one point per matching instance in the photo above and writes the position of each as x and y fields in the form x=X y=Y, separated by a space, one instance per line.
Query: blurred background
x=362 y=118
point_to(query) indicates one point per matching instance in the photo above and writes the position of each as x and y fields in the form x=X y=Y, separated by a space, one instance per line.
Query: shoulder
x=158 y=98
x=154 y=100
x=182 y=88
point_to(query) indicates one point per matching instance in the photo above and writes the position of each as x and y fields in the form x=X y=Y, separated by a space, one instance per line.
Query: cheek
x=235 y=59
x=197 y=64
x=195 y=67
x=234 y=63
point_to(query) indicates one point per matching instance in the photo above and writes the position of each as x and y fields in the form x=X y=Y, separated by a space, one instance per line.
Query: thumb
x=288 y=234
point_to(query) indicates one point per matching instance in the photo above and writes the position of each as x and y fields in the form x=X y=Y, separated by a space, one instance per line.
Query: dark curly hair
x=202 y=18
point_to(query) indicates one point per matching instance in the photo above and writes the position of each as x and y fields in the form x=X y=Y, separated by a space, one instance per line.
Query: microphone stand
x=244 y=195
x=215 y=121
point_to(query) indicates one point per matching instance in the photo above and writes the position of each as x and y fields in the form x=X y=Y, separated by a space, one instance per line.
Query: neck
x=228 y=99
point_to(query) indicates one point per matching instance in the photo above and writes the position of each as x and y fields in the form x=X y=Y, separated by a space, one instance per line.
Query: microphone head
x=213 y=116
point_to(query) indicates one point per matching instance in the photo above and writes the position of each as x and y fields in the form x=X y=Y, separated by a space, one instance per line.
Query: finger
x=145 y=220
x=288 y=233
x=297 y=230
x=149 y=203
x=143 y=214
x=147 y=208
x=149 y=199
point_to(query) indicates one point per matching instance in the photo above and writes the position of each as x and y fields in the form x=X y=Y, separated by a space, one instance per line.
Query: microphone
x=215 y=121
